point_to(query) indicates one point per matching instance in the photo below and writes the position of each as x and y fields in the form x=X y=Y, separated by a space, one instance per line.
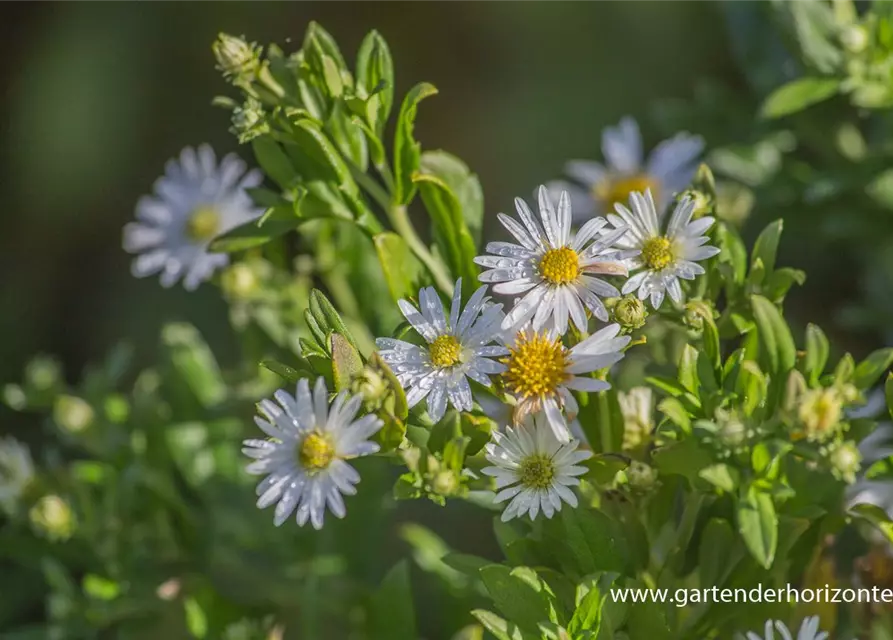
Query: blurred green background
x=96 y=97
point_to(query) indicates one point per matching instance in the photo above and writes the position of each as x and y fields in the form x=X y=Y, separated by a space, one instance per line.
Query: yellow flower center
x=560 y=266
x=614 y=190
x=203 y=224
x=537 y=471
x=445 y=351
x=657 y=253
x=316 y=452
x=536 y=365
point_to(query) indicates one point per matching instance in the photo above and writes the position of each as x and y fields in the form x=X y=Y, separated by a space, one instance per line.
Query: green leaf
x=328 y=318
x=648 y=620
x=766 y=246
x=192 y=365
x=588 y=614
x=817 y=350
x=688 y=369
x=499 y=627
x=758 y=525
x=872 y=368
x=684 y=458
x=797 y=95
x=716 y=552
x=196 y=620
x=101 y=588
x=888 y=392
x=346 y=361
x=407 y=152
x=875 y=516
x=721 y=476
x=375 y=76
x=274 y=162
x=274 y=223
x=391 y=615
x=313 y=143
x=780 y=281
x=289 y=373
x=518 y=594
x=751 y=387
x=775 y=336
x=402 y=270
x=451 y=234
x=462 y=182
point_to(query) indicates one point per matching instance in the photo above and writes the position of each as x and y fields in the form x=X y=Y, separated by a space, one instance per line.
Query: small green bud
x=249 y=121
x=52 y=517
x=845 y=461
x=641 y=476
x=820 y=413
x=73 y=414
x=237 y=59
x=239 y=281
x=43 y=373
x=696 y=312
x=854 y=38
x=703 y=202
x=445 y=483
x=372 y=385
x=732 y=432
x=16 y=472
x=630 y=312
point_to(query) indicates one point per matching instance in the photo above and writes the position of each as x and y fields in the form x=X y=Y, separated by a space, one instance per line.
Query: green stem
x=399 y=218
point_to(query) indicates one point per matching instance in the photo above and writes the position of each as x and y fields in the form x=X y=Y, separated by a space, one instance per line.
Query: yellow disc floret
x=536 y=471
x=445 y=351
x=536 y=365
x=657 y=253
x=560 y=266
x=203 y=224
x=316 y=452
x=618 y=189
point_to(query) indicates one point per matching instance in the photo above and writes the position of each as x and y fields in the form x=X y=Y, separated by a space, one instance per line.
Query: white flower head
x=305 y=457
x=195 y=201
x=541 y=372
x=534 y=470
x=809 y=630
x=665 y=255
x=16 y=471
x=552 y=266
x=459 y=347
x=669 y=169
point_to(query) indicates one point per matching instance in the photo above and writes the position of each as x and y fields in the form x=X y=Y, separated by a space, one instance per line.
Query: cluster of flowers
x=540 y=349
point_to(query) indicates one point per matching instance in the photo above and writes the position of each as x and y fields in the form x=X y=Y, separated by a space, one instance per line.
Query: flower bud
x=249 y=121
x=239 y=281
x=641 y=476
x=630 y=312
x=52 y=517
x=703 y=203
x=445 y=482
x=820 y=412
x=854 y=38
x=16 y=472
x=72 y=414
x=236 y=59
x=845 y=461
x=696 y=312
x=635 y=406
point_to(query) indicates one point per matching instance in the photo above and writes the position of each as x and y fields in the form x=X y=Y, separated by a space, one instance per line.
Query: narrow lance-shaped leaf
x=462 y=182
x=758 y=525
x=375 y=75
x=407 y=152
x=402 y=270
x=766 y=246
x=327 y=317
x=797 y=95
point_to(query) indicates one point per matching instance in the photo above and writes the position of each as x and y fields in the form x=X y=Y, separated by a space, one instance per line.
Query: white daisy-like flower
x=541 y=372
x=534 y=470
x=458 y=348
x=195 y=201
x=809 y=630
x=305 y=457
x=669 y=169
x=16 y=471
x=664 y=256
x=552 y=266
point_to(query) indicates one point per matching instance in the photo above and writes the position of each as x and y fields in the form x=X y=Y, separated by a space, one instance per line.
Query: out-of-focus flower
x=194 y=202
x=668 y=169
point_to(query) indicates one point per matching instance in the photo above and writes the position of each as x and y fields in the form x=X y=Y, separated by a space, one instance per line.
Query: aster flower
x=552 y=266
x=809 y=630
x=668 y=170
x=193 y=202
x=305 y=457
x=533 y=469
x=458 y=348
x=541 y=372
x=16 y=471
x=664 y=256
